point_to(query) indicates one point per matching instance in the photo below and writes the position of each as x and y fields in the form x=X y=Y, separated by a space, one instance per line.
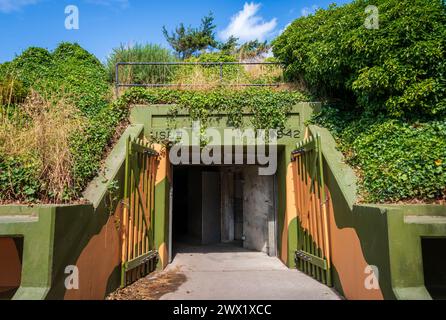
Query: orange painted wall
x=290 y=211
x=348 y=259
x=10 y=266
x=97 y=262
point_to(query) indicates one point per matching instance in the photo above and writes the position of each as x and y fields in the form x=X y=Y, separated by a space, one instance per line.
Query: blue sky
x=104 y=24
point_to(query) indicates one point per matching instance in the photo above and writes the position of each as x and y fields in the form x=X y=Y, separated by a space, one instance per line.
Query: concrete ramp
x=225 y=272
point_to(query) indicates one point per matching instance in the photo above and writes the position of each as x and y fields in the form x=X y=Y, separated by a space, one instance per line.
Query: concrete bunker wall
x=376 y=249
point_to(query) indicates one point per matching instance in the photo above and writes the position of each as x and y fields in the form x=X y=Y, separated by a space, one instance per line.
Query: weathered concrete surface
x=258 y=209
x=225 y=272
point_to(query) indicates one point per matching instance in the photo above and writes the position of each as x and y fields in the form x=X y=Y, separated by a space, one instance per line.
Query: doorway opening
x=228 y=206
x=434 y=266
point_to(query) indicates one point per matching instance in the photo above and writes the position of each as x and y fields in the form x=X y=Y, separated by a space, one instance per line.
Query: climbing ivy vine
x=269 y=107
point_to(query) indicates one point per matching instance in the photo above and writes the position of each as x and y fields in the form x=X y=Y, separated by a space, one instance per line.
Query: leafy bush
x=81 y=75
x=33 y=65
x=87 y=146
x=18 y=179
x=396 y=160
x=12 y=91
x=399 y=68
x=45 y=141
x=69 y=71
x=140 y=74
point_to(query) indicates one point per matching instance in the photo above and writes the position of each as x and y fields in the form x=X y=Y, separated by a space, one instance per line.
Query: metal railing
x=197 y=74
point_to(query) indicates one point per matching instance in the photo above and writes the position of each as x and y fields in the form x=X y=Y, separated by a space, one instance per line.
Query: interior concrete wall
x=194 y=204
x=258 y=208
x=238 y=206
x=210 y=203
x=227 y=205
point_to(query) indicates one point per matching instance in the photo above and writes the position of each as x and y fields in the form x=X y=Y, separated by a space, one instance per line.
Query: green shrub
x=87 y=146
x=395 y=160
x=81 y=75
x=213 y=57
x=33 y=65
x=12 y=91
x=399 y=68
x=70 y=78
x=19 y=179
x=69 y=71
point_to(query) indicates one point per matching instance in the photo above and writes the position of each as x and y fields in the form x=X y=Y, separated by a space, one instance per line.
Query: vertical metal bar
x=313 y=164
x=296 y=200
x=136 y=216
x=321 y=248
x=314 y=202
x=117 y=80
x=313 y=221
x=125 y=214
x=146 y=204
x=132 y=207
x=221 y=72
x=324 y=211
x=301 y=207
x=305 y=207
x=153 y=184
x=140 y=209
x=132 y=211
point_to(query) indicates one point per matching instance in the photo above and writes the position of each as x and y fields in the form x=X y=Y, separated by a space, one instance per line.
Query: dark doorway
x=230 y=205
x=196 y=205
x=434 y=266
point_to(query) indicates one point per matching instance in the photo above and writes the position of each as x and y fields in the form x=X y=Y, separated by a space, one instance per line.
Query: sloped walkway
x=225 y=272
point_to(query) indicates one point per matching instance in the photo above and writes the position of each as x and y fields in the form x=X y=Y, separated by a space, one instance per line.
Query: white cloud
x=8 y=6
x=284 y=28
x=307 y=11
x=247 y=25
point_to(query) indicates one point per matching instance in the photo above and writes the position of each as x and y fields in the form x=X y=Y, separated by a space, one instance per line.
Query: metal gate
x=313 y=252
x=139 y=256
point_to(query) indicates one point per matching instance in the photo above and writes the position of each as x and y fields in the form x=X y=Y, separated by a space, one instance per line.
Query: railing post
x=117 y=80
x=221 y=72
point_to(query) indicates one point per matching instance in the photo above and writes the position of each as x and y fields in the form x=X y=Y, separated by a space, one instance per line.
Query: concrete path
x=226 y=272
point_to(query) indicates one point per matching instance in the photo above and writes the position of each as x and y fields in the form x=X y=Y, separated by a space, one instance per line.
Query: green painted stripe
x=312 y=259
x=145 y=258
